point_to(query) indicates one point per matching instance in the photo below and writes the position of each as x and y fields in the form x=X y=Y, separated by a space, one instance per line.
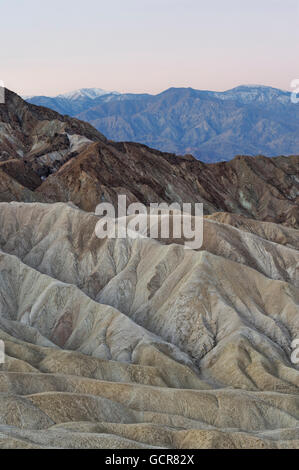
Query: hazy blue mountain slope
x=211 y=125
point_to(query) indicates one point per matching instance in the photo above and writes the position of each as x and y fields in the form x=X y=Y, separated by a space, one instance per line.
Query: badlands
x=140 y=343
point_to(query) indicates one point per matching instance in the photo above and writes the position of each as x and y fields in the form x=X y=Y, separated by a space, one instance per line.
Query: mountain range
x=213 y=126
x=58 y=158
x=136 y=342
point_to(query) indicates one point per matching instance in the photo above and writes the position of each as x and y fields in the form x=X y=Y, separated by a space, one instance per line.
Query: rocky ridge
x=140 y=343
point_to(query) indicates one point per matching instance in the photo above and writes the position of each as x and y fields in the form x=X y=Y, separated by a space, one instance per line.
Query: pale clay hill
x=141 y=343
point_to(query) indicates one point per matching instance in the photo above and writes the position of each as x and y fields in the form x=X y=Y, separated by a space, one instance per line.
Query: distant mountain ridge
x=47 y=157
x=213 y=126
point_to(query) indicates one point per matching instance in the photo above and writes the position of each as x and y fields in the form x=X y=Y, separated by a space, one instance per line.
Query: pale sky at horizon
x=147 y=45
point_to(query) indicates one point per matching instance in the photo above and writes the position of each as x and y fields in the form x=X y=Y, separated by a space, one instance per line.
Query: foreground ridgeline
x=140 y=343
x=147 y=344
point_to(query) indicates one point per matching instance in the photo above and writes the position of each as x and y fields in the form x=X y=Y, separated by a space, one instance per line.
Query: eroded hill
x=133 y=343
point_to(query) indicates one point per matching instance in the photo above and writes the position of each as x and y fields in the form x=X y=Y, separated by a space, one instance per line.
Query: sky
x=140 y=46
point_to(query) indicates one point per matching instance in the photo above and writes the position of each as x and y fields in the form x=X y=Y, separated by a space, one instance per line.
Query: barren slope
x=128 y=343
x=184 y=348
x=49 y=157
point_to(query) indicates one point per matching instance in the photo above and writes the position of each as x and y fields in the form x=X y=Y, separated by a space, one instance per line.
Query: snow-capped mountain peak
x=91 y=93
